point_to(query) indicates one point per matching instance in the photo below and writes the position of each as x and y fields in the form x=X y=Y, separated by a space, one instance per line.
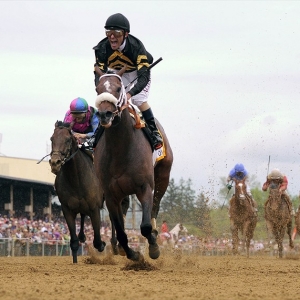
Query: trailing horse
x=76 y=185
x=123 y=160
x=297 y=220
x=278 y=217
x=242 y=218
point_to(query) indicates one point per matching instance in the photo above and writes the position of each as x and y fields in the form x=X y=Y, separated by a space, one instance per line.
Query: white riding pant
x=141 y=97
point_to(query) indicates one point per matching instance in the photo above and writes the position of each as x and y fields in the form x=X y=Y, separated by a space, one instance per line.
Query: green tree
x=177 y=204
x=201 y=215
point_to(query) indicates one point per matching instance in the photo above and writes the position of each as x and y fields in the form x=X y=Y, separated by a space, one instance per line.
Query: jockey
x=120 y=48
x=275 y=174
x=240 y=173
x=84 y=119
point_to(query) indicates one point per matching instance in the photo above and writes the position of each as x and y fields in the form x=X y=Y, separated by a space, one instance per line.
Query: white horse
x=175 y=231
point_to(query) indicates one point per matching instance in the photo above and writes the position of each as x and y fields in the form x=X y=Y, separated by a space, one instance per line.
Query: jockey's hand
x=229 y=186
x=128 y=96
x=79 y=135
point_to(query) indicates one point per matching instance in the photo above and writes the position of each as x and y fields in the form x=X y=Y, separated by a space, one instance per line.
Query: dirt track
x=172 y=276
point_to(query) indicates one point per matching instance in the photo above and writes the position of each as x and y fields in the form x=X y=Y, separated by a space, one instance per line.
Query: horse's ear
x=121 y=72
x=56 y=124
x=97 y=70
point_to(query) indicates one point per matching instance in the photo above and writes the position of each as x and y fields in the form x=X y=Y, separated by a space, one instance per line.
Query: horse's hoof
x=155 y=232
x=115 y=250
x=154 y=251
x=121 y=250
x=136 y=256
x=82 y=238
x=102 y=247
x=74 y=254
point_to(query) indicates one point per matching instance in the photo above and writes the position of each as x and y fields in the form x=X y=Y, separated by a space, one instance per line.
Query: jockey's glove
x=229 y=186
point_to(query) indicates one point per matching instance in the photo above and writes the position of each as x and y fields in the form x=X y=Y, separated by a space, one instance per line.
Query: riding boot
x=157 y=140
x=96 y=137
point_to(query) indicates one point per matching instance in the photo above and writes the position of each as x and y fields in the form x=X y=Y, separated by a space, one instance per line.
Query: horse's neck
x=73 y=164
x=122 y=131
x=274 y=198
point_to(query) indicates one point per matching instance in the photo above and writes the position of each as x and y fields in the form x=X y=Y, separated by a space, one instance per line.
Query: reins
x=66 y=158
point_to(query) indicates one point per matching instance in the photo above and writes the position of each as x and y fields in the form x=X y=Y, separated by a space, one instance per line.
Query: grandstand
x=26 y=188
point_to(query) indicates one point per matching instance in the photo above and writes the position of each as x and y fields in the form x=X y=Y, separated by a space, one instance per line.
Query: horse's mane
x=62 y=124
x=110 y=71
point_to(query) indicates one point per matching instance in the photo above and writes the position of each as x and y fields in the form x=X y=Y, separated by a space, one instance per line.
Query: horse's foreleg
x=235 y=237
x=146 y=225
x=117 y=249
x=248 y=233
x=279 y=238
x=74 y=241
x=289 y=232
x=116 y=216
x=81 y=235
x=95 y=219
x=270 y=232
x=161 y=182
x=125 y=205
x=113 y=239
x=154 y=225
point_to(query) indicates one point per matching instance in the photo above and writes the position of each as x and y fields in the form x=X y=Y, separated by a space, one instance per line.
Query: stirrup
x=157 y=140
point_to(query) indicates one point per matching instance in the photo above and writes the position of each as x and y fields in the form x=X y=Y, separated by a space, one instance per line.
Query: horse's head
x=240 y=191
x=274 y=193
x=62 y=140
x=111 y=96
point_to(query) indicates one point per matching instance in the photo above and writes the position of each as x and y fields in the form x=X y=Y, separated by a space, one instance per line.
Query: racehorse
x=297 y=220
x=242 y=218
x=278 y=217
x=123 y=160
x=76 y=185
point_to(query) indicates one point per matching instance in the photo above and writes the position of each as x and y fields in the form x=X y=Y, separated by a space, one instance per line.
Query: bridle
x=64 y=157
x=120 y=103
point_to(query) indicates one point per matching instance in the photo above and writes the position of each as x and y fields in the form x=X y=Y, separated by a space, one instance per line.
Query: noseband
x=120 y=103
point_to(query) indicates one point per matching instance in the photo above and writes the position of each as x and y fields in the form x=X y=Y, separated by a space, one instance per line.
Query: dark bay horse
x=123 y=160
x=278 y=217
x=242 y=218
x=76 y=185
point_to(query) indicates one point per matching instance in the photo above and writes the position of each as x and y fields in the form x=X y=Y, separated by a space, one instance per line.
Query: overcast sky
x=226 y=92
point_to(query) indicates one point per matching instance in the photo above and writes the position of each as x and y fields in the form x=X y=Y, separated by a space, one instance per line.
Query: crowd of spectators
x=52 y=232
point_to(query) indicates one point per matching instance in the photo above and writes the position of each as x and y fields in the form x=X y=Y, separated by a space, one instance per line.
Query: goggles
x=116 y=32
x=78 y=115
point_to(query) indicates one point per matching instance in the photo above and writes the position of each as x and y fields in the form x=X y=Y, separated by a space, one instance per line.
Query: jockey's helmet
x=275 y=174
x=117 y=21
x=78 y=105
x=239 y=168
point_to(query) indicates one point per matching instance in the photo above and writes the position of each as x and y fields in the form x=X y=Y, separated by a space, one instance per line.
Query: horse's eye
x=118 y=89
x=109 y=114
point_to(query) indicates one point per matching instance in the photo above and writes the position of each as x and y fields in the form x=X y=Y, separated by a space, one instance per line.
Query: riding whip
x=268 y=166
x=227 y=195
x=150 y=67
